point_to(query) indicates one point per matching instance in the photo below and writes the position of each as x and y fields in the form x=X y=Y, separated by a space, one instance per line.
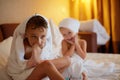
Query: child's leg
x=61 y=63
x=44 y=69
x=84 y=76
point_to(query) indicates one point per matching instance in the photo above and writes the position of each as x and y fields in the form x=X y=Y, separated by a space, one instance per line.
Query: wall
x=18 y=10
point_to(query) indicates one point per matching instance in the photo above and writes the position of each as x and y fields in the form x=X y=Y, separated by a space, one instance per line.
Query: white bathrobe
x=16 y=67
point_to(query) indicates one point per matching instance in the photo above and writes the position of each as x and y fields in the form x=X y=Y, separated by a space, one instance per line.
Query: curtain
x=106 y=11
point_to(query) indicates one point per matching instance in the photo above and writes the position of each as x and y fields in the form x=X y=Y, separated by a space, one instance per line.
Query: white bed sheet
x=97 y=57
x=106 y=58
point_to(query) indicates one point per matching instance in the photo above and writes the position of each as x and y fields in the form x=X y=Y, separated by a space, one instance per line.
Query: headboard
x=7 y=30
x=91 y=39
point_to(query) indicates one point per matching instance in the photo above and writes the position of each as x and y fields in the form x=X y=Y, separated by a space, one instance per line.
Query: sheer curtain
x=106 y=11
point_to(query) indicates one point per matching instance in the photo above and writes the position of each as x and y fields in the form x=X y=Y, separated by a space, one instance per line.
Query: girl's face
x=36 y=36
x=67 y=33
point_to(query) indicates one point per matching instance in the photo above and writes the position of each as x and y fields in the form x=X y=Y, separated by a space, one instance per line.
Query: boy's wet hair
x=36 y=22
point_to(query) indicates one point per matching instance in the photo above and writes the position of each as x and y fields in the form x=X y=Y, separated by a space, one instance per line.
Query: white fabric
x=4 y=53
x=75 y=69
x=5 y=46
x=16 y=63
x=99 y=69
x=95 y=26
x=56 y=39
x=71 y=24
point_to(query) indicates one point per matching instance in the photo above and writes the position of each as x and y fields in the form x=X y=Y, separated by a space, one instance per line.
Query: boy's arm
x=67 y=51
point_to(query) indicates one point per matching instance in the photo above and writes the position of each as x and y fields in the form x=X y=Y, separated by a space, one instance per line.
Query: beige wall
x=18 y=10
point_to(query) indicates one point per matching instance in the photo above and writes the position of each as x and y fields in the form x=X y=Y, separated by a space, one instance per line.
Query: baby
x=71 y=45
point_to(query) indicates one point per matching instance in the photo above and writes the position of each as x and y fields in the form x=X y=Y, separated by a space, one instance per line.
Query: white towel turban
x=71 y=24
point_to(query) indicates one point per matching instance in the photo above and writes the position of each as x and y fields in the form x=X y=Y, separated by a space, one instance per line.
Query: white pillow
x=5 y=47
x=95 y=26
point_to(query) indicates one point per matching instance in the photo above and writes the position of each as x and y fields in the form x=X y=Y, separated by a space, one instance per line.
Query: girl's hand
x=74 y=40
x=70 y=41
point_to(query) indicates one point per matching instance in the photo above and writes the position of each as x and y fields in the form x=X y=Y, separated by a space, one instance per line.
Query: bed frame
x=7 y=30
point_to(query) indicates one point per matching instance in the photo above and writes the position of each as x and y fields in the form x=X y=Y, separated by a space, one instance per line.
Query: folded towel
x=71 y=24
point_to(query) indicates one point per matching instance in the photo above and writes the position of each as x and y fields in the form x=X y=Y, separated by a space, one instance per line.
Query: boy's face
x=36 y=36
x=67 y=33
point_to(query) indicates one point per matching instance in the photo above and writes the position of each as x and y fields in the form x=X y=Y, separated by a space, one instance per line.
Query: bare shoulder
x=82 y=42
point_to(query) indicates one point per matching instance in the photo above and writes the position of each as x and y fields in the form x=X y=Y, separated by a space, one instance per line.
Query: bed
x=6 y=32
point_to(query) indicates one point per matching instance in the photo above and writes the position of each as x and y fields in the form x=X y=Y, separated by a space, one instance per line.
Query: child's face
x=67 y=34
x=36 y=36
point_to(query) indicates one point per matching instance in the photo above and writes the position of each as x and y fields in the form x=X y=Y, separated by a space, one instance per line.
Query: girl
x=72 y=46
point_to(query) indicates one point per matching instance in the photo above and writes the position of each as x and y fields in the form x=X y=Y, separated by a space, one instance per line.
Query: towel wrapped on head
x=71 y=24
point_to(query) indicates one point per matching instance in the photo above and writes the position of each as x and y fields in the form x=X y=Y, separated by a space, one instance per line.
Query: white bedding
x=98 y=58
x=106 y=58
x=95 y=26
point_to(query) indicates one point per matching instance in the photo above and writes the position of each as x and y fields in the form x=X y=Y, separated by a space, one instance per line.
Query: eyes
x=68 y=33
x=36 y=37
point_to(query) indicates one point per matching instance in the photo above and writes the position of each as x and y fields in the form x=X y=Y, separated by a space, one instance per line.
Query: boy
x=29 y=43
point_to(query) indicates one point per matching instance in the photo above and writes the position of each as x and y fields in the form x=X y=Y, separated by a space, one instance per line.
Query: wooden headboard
x=7 y=30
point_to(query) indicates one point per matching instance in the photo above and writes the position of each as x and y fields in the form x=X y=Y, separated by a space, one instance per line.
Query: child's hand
x=36 y=51
x=74 y=40
x=35 y=58
x=70 y=41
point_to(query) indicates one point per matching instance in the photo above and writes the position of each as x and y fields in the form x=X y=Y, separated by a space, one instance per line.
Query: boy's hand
x=35 y=58
x=36 y=51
